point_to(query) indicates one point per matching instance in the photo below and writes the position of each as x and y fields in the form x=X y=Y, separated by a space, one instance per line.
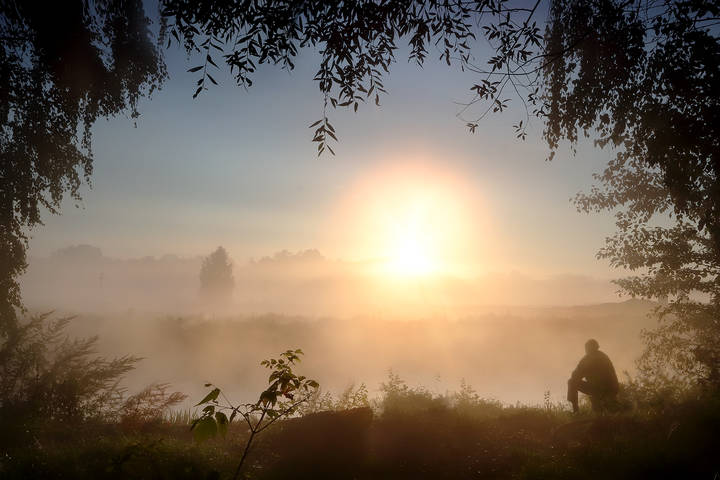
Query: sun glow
x=410 y=220
x=413 y=244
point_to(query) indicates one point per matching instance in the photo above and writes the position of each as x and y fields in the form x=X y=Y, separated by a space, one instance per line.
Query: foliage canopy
x=63 y=65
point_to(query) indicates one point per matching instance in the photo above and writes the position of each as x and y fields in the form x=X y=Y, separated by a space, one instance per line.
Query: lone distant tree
x=216 y=278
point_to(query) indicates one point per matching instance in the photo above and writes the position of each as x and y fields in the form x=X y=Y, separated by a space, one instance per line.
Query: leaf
x=222 y=423
x=268 y=397
x=195 y=422
x=195 y=69
x=205 y=429
x=213 y=395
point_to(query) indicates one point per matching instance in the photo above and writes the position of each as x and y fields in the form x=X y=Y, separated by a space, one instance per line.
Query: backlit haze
x=237 y=169
x=419 y=247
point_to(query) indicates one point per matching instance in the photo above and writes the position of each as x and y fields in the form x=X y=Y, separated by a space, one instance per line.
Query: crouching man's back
x=594 y=376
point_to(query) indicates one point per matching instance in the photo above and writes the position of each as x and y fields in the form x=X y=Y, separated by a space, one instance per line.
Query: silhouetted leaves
x=222 y=423
x=356 y=40
x=285 y=393
x=204 y=429
x=212 y=396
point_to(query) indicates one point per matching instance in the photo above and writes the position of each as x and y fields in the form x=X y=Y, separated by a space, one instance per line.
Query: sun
x=413 y=245
x=411 y=220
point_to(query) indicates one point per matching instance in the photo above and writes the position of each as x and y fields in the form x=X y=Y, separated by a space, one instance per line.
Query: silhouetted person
x=594 y=376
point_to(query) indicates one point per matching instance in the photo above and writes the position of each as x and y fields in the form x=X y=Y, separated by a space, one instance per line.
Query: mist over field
x=512 y=337
x=81 y=279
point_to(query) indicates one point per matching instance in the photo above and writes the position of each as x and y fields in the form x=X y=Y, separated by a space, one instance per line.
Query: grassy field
x=408 y=433
x=64 y=414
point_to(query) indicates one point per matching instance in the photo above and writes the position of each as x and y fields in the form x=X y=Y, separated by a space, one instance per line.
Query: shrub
x=150 y=405
x=47 y=377
x=351 y=398
x=45 y=374
x=399 y=398
x=286 y=392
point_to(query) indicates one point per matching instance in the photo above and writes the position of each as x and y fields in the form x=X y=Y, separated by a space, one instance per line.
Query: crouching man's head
x=591 y=346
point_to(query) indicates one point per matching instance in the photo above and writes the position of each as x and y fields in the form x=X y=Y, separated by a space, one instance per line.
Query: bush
x=351 y=398
x=655 y=395
x=399 y=398
x=468 y=403
x=149 y=406
x=47 y=377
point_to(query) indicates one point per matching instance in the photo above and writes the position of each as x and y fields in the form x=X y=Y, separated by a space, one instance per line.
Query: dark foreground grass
x=433 y=442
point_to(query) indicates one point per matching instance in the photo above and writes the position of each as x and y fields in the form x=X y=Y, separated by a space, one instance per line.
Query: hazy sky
x=237 y=168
